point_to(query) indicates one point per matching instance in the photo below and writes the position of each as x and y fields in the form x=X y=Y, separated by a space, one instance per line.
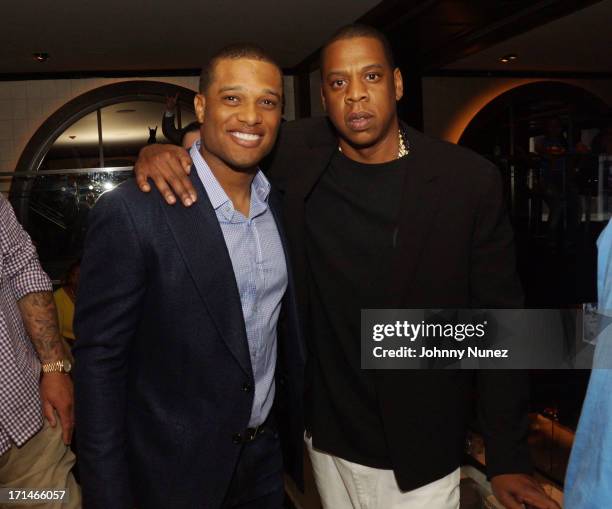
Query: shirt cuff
x=31 y=279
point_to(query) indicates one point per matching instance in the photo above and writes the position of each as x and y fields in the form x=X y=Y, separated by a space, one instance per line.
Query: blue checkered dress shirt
x=258 y=260
x=588 y=481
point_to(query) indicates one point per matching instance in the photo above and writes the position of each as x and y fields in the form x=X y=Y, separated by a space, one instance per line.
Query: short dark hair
x=355 y=30
x=191 y=127
x=234 y=52
x=71 y=268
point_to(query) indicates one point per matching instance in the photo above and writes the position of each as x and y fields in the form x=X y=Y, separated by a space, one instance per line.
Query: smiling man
x=183 y=398
x=380 y=216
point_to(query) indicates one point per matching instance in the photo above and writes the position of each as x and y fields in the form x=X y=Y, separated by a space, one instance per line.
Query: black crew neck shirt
x=351 y=229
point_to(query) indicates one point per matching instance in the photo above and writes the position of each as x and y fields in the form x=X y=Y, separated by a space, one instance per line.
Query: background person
x=65 y=298
x=190 y=134
x=184 y=137
x=169 y=128
x=588 y=481
x=558 y=183
x=34 y=380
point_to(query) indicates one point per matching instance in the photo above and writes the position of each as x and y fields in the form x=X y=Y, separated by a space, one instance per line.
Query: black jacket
x=455 y=249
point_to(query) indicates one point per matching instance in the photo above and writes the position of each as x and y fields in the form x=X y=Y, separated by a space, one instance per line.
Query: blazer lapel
x=202 y=246
x=308 y=170
x=420 y=200
x=276 y=208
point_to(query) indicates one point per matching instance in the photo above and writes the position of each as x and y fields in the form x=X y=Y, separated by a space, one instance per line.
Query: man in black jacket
x=381 y=216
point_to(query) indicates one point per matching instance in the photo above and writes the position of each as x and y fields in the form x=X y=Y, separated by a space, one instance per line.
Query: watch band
x=54 y=367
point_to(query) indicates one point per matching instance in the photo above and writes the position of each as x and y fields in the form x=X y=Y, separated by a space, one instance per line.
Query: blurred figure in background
x=184 y=137
x=65 y=299
x=34 y=380
x=602 y=148
x=558 y=184
x=152 y=135
x=190 y=134
x=602 y=143
x=168 y=126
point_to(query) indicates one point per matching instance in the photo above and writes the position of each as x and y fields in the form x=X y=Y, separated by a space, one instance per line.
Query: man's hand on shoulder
x=169 y=167
x=516 y=491
x=57 y=395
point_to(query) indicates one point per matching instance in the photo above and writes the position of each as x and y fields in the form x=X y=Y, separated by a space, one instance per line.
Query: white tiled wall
x=25 y=105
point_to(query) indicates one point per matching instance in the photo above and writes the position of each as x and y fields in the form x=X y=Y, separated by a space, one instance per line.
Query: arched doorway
x=507 y=131
x=81 y=151
x=525 y=107
x=559 y=271
x=507 y=128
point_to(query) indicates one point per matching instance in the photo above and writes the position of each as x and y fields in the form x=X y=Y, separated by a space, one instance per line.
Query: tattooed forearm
x=40 y=319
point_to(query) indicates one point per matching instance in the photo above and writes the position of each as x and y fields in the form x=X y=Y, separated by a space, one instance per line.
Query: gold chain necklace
x=402 y=150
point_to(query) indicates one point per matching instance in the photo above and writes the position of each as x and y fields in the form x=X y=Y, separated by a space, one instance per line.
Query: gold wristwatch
x=63 y=366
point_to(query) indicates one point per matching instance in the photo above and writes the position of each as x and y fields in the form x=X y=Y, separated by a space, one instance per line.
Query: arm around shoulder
x=168 y=166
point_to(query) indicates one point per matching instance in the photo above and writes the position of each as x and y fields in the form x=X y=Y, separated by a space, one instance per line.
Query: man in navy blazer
x=189 y=363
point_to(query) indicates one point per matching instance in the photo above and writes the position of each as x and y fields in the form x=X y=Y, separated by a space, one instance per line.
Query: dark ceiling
x=429 y=36
x=136 y=35
x=579 y=42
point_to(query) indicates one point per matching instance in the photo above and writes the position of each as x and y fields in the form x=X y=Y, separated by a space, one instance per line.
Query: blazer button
x=247 y=387
x=237 y=438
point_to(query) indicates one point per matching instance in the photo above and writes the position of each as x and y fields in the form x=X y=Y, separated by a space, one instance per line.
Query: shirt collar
x=260 y=187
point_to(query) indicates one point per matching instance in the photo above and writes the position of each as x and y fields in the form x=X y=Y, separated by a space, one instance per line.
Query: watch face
x=67 y=366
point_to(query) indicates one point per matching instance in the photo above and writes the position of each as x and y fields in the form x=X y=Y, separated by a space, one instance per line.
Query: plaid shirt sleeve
x=21 y=270
x=20 y=274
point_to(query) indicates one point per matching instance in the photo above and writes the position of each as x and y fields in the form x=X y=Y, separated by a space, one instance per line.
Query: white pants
x=346 y=485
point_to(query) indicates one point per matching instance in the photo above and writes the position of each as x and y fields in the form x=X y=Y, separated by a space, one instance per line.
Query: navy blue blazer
x=162 y=371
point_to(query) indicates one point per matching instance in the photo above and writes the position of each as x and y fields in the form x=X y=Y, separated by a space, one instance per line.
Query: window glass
x=59 y=204
x=76 y=147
